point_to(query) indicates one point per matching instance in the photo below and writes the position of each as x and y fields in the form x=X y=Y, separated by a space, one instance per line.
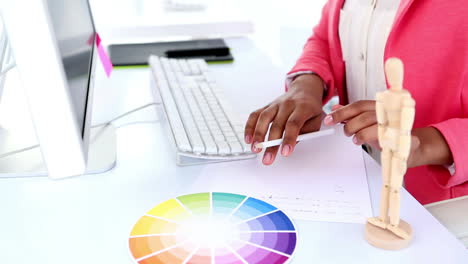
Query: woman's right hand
x=296 y=112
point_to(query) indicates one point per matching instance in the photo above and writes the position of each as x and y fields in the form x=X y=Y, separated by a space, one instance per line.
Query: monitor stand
x=101 y=154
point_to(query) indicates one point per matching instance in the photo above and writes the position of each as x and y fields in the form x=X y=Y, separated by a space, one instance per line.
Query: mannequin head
x=394 y=71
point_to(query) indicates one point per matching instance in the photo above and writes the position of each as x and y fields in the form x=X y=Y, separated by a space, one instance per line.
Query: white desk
x=87 y=219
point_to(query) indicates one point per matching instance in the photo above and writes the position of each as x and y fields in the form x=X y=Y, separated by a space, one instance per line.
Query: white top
x=364 y=29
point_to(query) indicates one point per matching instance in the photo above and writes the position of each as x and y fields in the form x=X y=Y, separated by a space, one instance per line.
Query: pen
x=302 y=137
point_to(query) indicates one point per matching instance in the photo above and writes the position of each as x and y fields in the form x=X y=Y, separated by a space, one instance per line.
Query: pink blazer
x=431 y=37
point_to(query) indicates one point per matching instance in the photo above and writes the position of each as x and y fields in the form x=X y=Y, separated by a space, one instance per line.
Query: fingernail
x=355 y=140
x=267 y=158
x=286 y=150
x=328 y=120
x=254 y=148
x=248 y=139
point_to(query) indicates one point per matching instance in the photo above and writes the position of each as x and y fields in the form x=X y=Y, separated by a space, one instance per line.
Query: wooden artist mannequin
x=395 y=116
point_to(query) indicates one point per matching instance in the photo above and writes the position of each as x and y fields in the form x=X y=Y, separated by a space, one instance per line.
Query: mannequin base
x=385 y=239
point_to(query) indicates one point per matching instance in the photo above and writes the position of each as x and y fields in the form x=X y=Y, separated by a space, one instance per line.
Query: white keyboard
x=202 y=122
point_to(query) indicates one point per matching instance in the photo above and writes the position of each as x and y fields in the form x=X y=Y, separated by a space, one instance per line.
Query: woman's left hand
x=360 y=121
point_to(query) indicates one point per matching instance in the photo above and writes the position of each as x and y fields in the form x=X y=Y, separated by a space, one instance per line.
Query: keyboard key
x=210 y=144
x=194 y=68
x=231 y=139
x=166 y=65
x=209 y=77
x=175 y=65
x=185 y=68
x=199 y=78
x=229 y=133
x=202 y=65
x=224 y=148
x=236 y=147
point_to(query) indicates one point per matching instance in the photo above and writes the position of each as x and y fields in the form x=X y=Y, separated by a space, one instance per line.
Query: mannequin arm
x=381 y=117
x=406 y=123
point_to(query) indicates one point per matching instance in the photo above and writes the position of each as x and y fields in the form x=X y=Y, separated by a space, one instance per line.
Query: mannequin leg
x=382 y=220
x=398 y=169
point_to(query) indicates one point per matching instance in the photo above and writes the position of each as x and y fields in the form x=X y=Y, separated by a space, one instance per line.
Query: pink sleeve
x=316 y=54
x=455 y=132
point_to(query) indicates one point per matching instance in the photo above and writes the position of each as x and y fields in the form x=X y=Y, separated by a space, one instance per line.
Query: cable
x=4 y=50
x=98 y=125
x=18 y=151
x=7 y=69
x=6 y=57
x=125 y=114
x=137 y=123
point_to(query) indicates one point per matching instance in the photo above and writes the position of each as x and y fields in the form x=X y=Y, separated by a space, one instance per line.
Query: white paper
x=323 y=180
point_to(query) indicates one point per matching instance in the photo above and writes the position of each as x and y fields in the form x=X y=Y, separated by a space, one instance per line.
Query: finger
x=336 y=107
x=293 y=127
x=250 y=125
x=366 y=135
x=311 y=125
x=262 y=125
x=359 y=122
x=276 y=132
x=349 y=111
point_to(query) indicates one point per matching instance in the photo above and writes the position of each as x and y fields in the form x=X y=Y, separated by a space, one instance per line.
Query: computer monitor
x=54 y=47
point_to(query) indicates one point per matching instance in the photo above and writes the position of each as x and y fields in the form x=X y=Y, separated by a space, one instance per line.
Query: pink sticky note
x=105 y=60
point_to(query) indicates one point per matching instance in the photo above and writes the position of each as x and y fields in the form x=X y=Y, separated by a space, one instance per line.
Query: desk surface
x=87 y=219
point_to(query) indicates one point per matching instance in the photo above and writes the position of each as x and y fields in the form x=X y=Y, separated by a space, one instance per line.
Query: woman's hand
x=297 y=111
x=360 y=121
x=428 y=146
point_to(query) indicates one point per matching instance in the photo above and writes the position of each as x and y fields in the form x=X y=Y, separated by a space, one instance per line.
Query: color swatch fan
x=214 y=228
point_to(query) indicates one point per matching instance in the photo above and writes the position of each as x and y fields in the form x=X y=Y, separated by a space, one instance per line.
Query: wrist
x=311 y=84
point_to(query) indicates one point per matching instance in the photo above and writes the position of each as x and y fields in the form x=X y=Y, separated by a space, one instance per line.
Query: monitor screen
x=74 y=29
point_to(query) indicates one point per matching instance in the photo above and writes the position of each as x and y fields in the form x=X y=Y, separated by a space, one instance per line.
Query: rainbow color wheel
x=215 y=228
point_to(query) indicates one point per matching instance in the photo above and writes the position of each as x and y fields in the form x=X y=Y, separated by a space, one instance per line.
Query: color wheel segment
x=214 y=228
